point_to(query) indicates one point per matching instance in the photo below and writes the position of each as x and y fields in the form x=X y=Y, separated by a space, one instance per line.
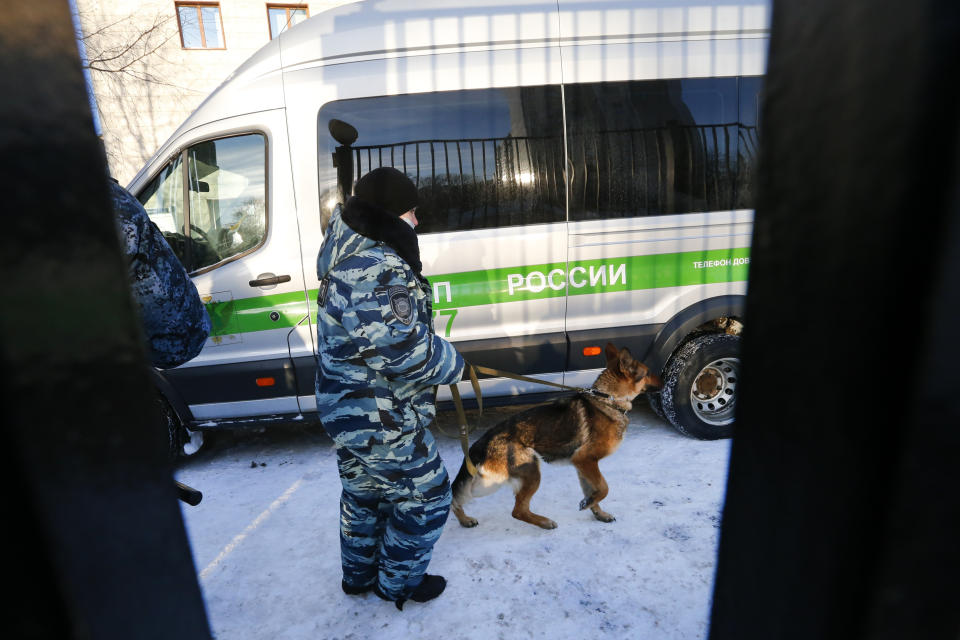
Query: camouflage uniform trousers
x=395 y=501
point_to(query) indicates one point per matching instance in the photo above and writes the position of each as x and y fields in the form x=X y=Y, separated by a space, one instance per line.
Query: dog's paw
x=548 y=524
x=603 y=516
x=469 y=523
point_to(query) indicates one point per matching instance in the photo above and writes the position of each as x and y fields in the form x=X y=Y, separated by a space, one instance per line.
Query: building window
x=283 y=16
x=200 y=25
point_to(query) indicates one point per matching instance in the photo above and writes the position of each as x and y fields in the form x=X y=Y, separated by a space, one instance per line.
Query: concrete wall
x=146 y=83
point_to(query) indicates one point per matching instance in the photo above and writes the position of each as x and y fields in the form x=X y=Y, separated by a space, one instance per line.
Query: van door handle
x=269 y=282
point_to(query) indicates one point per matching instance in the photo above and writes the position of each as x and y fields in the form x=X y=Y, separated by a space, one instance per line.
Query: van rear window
x=653 y=147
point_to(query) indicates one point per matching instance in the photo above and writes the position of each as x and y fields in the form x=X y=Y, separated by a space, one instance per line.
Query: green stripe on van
x=632 y=273
x=512 y=284
x=246 y=315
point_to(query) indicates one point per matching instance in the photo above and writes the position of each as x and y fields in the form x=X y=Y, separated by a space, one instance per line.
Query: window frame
x=288 y=7
x=203 y=37
x=181 y=152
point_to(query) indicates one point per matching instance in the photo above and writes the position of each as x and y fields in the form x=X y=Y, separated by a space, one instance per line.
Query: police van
x=585 y=174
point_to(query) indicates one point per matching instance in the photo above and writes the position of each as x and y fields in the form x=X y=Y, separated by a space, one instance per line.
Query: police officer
x=380 y=361
x=175 y=322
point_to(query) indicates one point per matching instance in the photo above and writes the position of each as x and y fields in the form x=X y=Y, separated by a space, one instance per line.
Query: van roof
x=392 y=28
x=376 y=29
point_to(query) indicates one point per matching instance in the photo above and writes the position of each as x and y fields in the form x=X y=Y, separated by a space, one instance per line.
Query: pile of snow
x=266 y=546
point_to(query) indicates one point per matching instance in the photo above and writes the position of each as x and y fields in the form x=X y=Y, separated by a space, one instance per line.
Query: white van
x=585 y=173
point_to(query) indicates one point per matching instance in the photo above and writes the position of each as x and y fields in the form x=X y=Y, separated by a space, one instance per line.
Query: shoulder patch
x=401 y=304
x=322 y=292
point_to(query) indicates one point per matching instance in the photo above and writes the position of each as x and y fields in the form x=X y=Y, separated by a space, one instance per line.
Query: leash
x=462 y=415
x=516 y=376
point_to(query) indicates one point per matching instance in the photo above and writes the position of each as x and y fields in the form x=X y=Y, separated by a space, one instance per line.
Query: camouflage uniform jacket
x=174 y=321
x=379 y=356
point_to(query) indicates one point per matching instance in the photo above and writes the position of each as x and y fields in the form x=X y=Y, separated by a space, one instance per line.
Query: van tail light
x=592 y=351
x=266 y=382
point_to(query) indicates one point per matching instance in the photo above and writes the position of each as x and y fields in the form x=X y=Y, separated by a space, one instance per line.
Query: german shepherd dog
x=583 y=429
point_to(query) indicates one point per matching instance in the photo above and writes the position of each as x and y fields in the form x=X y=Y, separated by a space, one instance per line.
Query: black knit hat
x=387 y=188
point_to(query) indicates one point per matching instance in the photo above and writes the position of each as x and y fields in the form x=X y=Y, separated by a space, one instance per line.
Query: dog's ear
x=627 y=363
x=612 y=356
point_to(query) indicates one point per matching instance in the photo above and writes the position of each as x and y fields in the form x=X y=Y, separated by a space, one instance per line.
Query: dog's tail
x=462 y=484
x=462 y=487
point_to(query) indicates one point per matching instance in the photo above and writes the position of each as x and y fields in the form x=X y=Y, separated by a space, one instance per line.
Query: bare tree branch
x=124 y=43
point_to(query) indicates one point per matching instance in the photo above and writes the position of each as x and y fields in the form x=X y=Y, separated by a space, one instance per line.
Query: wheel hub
x=713 y=393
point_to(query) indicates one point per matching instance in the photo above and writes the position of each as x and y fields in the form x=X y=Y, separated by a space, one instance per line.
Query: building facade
x=152 y=62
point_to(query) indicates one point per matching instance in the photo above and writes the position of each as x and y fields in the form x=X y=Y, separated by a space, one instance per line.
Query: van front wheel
x=181 y=442
x=699 y=393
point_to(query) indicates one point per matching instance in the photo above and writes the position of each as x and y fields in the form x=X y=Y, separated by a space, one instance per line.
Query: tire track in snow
x=240 y=537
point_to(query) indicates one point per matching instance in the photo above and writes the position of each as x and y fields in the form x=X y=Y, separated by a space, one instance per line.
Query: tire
x=653 y=399
x=181 y=441
x=699 y=392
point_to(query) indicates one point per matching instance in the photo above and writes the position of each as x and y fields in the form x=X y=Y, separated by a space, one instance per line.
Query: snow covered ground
x=266 y=548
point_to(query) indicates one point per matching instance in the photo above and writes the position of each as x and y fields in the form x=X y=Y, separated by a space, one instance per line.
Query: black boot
x=428 y=589
x=354 y=591
x=383 y=596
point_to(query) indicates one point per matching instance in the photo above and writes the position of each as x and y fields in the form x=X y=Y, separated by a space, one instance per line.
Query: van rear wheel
x=699 y=393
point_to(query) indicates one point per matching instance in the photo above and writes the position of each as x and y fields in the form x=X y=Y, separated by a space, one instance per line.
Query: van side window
x=226 y=214
x=651 y=147
x=480 y=158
